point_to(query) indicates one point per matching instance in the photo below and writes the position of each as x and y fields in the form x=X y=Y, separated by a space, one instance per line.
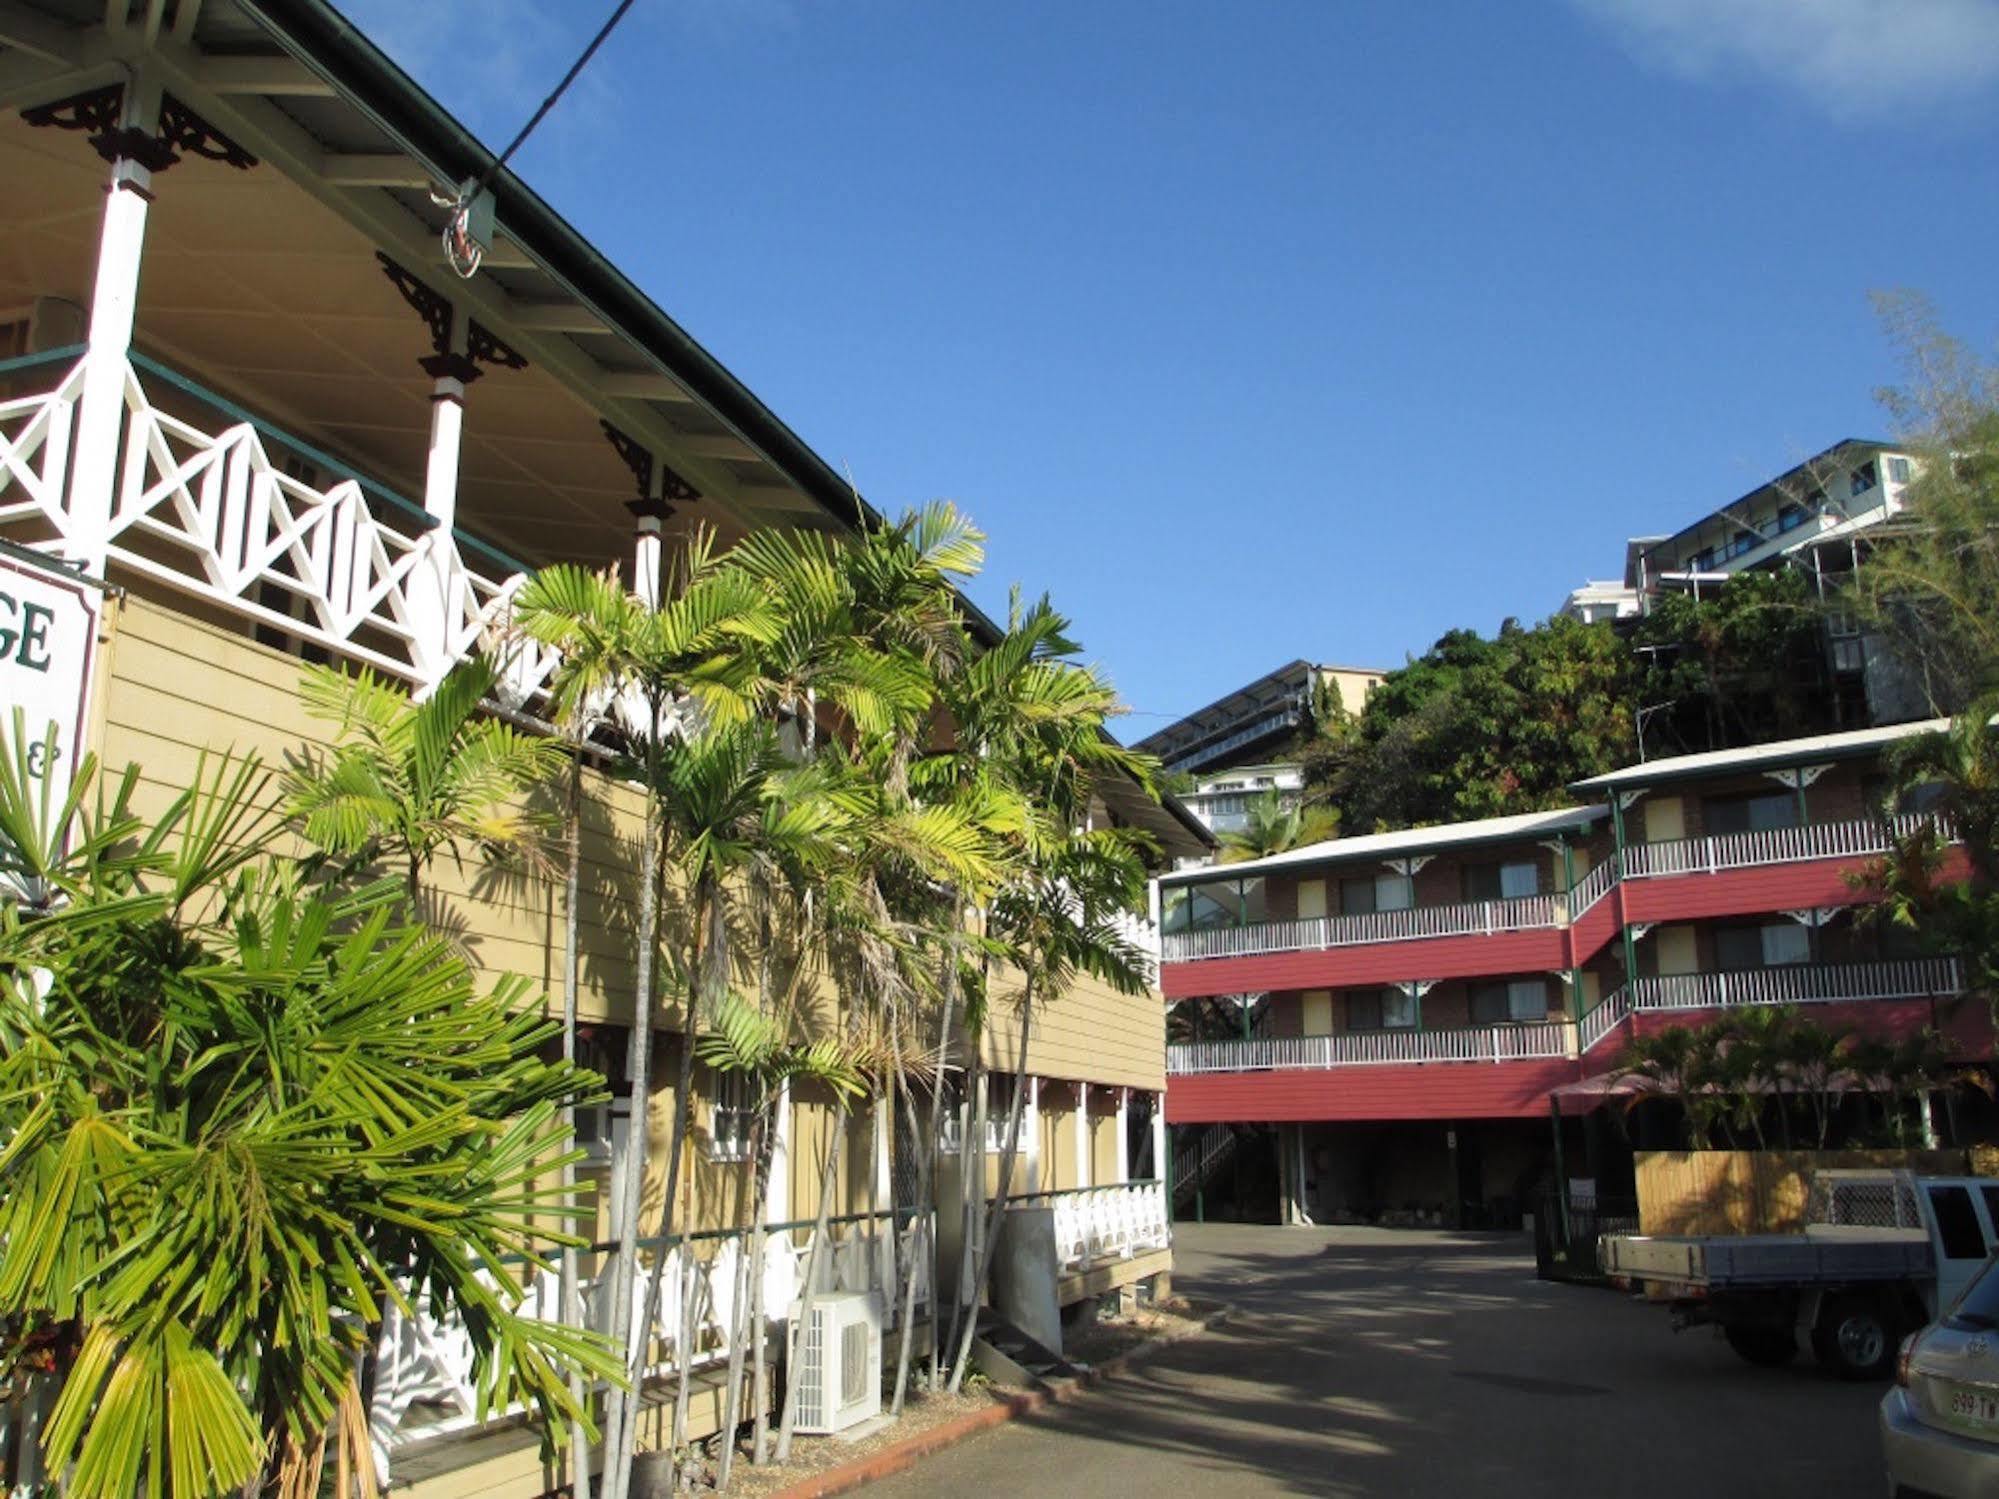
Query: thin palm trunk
x=809 y=1294
x=932 y=1144
x=621 y=1413
x=971 y=1197
x=918 y=1236
x=572 y=1310
x=749 y=1265
x=1009 y=1152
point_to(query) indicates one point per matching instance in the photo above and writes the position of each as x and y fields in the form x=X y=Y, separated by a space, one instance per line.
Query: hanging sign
x=48 y=651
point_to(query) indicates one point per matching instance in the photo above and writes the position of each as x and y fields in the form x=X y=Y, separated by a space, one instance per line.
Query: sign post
x=48 y=655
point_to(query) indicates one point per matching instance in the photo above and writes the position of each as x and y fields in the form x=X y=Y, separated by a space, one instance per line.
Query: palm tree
x=665 y=667
x=247 y=1111
x=408 y=780
x=1274 y=827
x=1064 y=914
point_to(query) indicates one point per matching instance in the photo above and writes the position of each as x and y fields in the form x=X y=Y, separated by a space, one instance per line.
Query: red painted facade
x=1664 y=898
x=1434 y=1090
x=1500 y=1090
x=1369 y=963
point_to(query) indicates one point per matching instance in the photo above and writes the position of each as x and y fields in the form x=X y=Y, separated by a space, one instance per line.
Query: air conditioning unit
x=839 y=1363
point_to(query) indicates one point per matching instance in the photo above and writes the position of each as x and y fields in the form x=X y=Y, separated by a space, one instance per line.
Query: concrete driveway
x=1365 y=1362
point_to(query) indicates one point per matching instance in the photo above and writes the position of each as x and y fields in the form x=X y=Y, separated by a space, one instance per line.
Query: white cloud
x=1849 y=56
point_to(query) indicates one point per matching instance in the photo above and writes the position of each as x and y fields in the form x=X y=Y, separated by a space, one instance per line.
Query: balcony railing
x=427 y=1380
x=1799 y=984
x=1792 y=984
x=214 y=507
x=1101 y=1223
x=1469 y=918
x=1861 y=838
x=1823 y=840
x=1485 y=1043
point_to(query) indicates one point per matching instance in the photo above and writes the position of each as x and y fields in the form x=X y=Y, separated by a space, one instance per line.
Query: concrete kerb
x=865 y=1470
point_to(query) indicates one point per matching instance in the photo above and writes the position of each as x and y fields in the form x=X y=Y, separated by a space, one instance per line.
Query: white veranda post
x=114 y=304
x=1082 y=1134
x=431 y=594
x=1123 y=1135
x=1030 y=1136
x=1159 y=1136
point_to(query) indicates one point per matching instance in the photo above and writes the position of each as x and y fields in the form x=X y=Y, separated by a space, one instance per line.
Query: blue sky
x=1275 y=329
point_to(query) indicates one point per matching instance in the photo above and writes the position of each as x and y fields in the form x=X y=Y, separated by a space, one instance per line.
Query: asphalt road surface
x=1363 y=1362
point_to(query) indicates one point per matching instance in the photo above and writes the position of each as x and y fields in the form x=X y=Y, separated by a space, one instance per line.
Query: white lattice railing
x=1469 y=918
x=1484 y=1043
x=209 y=510
x=1103 y=1223
x=426 y=1383
x=1822 y=840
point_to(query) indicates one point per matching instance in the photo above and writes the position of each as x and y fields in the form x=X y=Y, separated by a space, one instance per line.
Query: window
x=1366 y=894
x=1381 y=1010
x=1898 y=470
x=1743 y=541
x=1770 y=945
x=1957 y=1223
x=1849 y=656
x=1790 y=517
x=1758 y=812
x=1513 y=880
x=1509 y=1001
x=730 y=1116
x=1863 y=479
x=1703 y=561
x=602 y=1049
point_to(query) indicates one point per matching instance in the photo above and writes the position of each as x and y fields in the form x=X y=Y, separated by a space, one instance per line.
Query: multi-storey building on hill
x=1400 y=1013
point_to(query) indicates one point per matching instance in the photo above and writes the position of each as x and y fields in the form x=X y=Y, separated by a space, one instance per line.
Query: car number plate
x=1976 y=1407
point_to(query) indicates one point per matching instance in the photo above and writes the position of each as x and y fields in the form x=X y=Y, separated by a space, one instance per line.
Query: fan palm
x=245 y=1112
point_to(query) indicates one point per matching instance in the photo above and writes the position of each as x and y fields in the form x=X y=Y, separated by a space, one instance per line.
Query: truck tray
x=1720 y=1261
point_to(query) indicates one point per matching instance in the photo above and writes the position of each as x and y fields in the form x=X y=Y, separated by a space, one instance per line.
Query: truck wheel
x=1853 y=1338
x=1766 y=1347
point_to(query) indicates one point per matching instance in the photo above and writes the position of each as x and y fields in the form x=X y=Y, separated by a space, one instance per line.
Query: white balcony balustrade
x=1104 y=1223
x=212 y=510
x=426 y=1383
x=1856 y=839
x=1469 y=918
x=1482 y=1043
x=1859 y=838
x=1799 y=984
x=1793 y=984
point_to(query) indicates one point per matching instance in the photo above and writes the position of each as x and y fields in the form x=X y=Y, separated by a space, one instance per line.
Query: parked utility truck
x=1880 y=1254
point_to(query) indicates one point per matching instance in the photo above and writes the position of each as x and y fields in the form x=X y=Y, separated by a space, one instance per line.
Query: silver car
x=1940 y=1424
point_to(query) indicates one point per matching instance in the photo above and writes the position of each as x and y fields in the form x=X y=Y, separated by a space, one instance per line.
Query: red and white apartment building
x=1409 y=1009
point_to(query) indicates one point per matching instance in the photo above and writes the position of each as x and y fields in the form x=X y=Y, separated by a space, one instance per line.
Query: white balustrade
x=1830 y=840
x=1468 y=918
x=1822 y=840
x=213 y=514
x=1799 y=984
x=1486 y=1043
x=426 y=1381
x=1101 y=1223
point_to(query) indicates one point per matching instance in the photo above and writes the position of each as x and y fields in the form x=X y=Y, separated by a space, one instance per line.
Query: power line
x=460 y=248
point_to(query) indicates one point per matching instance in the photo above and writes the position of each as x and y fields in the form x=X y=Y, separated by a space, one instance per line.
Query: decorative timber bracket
x=482 y=345
x=637 y=457
x=181 y=131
